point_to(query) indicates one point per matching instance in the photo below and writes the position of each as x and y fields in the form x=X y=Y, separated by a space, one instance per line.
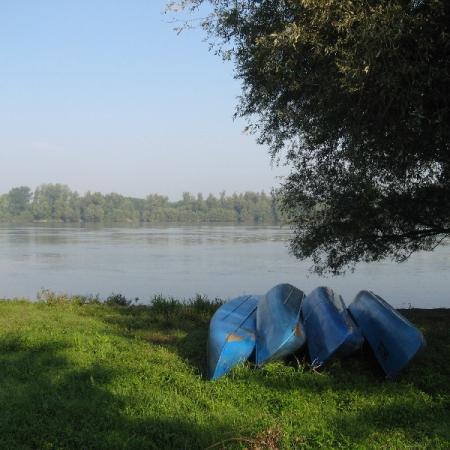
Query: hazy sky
x=103 y=95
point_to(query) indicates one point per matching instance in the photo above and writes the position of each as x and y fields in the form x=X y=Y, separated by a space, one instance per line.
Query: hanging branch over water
x=354 y=96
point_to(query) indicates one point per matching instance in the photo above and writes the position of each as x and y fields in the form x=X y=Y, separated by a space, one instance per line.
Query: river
x=181 y=261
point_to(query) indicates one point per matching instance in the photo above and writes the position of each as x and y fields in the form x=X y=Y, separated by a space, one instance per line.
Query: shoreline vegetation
x=57 y=203
x=81 y=372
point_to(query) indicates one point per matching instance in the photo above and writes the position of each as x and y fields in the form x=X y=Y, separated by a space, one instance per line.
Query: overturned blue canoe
x=232 y=334
x=394 y=340
x=329 y=328
x=278 y=327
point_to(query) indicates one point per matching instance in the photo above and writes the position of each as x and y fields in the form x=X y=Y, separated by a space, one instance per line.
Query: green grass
x=77 y=374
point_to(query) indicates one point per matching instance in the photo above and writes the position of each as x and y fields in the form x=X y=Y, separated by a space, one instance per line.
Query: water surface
x=180 y=261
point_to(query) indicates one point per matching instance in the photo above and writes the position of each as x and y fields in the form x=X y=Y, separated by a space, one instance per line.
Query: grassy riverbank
x=81 y=376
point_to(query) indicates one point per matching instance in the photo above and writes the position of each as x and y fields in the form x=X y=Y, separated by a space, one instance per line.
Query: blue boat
x=278 y=328
x=394 y=340
x=329 y=328
x=232 y=334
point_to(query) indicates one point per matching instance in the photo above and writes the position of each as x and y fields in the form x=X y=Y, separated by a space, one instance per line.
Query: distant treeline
x=57 y=203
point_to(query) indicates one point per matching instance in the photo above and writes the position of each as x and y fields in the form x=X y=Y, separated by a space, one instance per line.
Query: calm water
x=219 y=261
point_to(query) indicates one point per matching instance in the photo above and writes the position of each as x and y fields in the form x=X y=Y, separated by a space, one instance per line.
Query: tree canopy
x=355 y=96
x=58 y=203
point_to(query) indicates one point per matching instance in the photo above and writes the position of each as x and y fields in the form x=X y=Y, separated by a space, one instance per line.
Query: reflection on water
x=219 y=261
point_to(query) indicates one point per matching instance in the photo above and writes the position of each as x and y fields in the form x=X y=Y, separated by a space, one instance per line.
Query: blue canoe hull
x=232 y=335
x=278 y=327
x=394 y=340
x=329 y=329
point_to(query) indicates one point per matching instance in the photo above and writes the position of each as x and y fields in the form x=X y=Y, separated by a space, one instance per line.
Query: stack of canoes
x=284 y=320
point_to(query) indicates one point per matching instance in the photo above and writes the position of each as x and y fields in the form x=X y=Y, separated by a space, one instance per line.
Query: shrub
x=117 y=300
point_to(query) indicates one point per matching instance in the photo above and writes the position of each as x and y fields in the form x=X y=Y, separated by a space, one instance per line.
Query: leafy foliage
x=56 y=202
x=118 y=300
x=355 y=95
x=18 y=200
